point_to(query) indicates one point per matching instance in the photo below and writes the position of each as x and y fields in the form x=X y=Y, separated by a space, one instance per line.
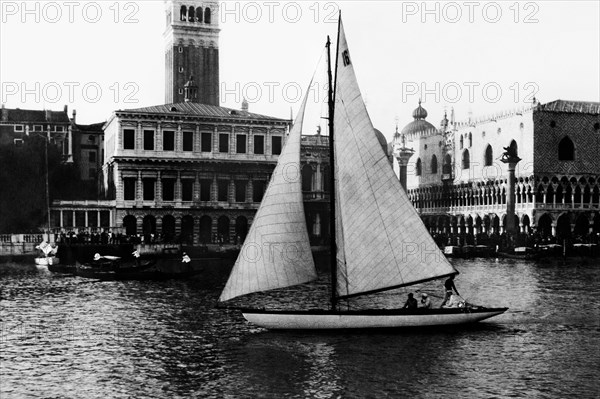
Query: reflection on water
x=70 y=337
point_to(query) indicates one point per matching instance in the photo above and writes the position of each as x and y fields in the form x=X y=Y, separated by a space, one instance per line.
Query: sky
x=478 y=57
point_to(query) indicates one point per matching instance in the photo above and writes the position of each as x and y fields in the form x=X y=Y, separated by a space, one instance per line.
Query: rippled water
x=70 y=337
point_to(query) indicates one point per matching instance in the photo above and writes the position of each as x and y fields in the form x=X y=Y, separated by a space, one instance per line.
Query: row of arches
x=566 y=225
x=195 y=14
x=188 y=229
x=576 y=193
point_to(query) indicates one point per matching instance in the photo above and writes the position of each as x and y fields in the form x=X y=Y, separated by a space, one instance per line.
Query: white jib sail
x=385 y=242
x=276 y=252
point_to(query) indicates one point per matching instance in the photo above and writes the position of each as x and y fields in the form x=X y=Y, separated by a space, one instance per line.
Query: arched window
x=447 y=167
x=207 y=15
x=566 y=150
x=461 y=142
x=307 y=178
x=418 y=167
x=470 y=140
x=199 y=14
x=489 y=156
x=183 y=13
x=191 y=15
x=433 y=164
x=466 y=160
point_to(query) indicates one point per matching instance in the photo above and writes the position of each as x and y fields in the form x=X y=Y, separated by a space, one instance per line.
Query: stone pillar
x=159 y=192
x=249 y=190
x=231 y=191
x=402 y=156
x=70 y=139
x=139 y=225
x=196 y=193
x=250 y=149
x=197 y=141
x=318 y=183
x=215 y=138
x=214 y=189
x=158 y=140
x=159 y=229
x=139 y=189
x=139 y=138
x=178 y=189
x=545 y=194
x=511 y=160
x=178 y=140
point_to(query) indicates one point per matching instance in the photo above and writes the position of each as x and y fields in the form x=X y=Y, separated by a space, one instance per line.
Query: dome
x=417 y=126
x=382 y=141
x=419 y=112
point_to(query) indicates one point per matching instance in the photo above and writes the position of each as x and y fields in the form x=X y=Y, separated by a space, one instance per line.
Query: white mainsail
x=385 y=244
x=276 y=252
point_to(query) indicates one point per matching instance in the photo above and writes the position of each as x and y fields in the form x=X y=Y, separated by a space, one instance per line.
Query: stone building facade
x=314 y=157
x=55 y=126
x=459 y=185
x=189 y=170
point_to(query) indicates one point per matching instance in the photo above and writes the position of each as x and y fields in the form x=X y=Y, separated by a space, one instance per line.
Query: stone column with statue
x=510 y=158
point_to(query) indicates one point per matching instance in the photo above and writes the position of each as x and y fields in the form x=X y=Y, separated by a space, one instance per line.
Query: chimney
x=245 y=105
x=4 y=114
x=48 y=114
x=66 y=109
x=74 y=118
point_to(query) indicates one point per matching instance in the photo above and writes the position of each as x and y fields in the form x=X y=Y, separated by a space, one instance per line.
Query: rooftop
x=94 y=127
x=18 y=115
x=197 y=109
x=578 y=107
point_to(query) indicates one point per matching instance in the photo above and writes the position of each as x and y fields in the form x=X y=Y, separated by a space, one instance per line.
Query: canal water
x=68 y=337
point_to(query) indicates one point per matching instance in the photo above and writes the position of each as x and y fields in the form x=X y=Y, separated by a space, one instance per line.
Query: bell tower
x=192 y=49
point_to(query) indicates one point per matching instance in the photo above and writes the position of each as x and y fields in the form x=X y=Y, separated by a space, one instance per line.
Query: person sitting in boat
x=450 y=288
x=136 y=255
x=411 y=303
x=455 y=301
x=425 y=301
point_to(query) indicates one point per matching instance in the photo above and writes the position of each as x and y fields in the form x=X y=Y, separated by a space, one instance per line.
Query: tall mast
x=333 y=247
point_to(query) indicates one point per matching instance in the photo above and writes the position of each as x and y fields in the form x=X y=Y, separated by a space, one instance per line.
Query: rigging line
x=368 y=177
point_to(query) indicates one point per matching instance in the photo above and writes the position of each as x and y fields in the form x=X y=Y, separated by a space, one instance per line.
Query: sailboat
x=378 y=241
